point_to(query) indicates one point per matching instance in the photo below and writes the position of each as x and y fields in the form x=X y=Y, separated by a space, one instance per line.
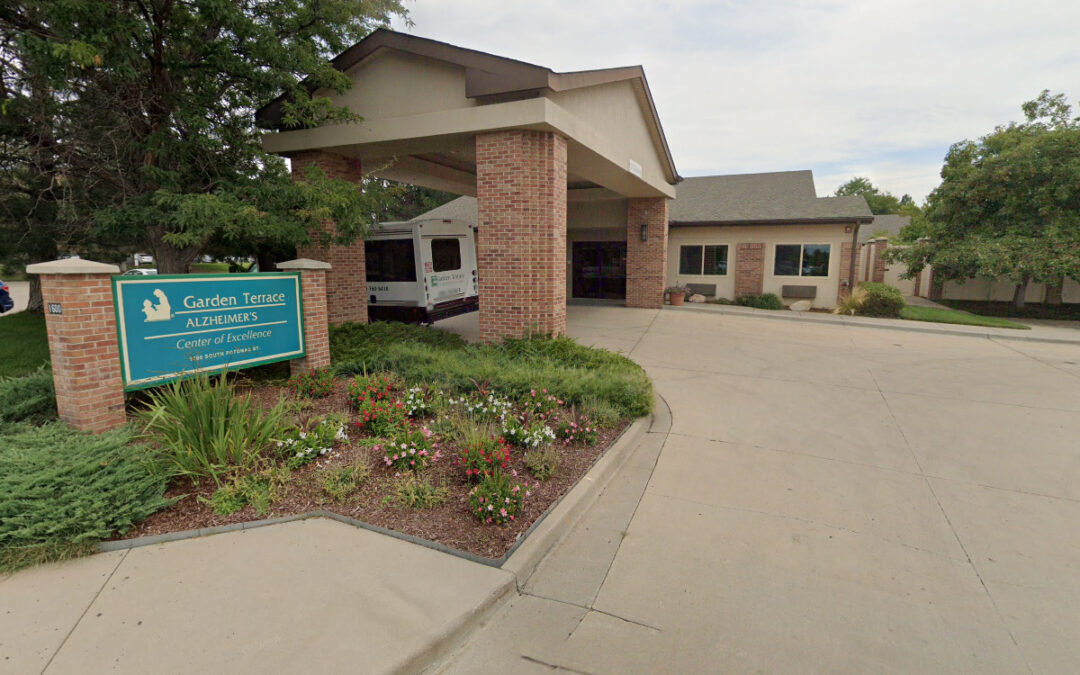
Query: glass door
x=599 y=270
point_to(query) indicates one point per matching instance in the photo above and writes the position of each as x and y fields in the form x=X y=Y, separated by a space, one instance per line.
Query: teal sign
x=173 y=325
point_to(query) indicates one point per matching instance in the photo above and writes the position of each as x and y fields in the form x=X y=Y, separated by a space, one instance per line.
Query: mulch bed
x=450 y=525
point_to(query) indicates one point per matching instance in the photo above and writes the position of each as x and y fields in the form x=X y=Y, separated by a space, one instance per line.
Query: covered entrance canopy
x=529 y=143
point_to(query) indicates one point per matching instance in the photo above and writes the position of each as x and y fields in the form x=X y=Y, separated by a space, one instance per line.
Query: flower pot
x=677 y=299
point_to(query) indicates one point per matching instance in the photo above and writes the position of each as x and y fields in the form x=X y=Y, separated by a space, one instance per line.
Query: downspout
x=854 y=258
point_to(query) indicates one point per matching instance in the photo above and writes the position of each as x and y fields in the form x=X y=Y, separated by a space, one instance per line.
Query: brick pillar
x=81 y=325
x=521 y=209
x=313 y=290
x=346 y=280
x=749 y=269
x=877 y=274
x=845 y=271
x=646 y=261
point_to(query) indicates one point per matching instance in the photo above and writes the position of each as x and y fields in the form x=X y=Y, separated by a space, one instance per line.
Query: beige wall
x=770 y=235
x=1000 y=290
x=1070 y=291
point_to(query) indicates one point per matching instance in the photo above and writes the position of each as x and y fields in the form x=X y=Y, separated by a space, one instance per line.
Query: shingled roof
x=892 y=223
x=781 y=198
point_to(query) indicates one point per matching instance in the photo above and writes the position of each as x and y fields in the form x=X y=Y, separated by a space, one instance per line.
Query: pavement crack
x=1048 y=364
x=554 y=666
x=87 y=609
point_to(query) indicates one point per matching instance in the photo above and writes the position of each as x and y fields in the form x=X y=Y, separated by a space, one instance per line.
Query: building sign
x=172 y=325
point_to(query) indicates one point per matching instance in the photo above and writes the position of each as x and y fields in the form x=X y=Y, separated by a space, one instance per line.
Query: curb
x=899 y=325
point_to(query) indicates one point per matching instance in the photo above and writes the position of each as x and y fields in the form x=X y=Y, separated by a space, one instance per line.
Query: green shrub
x=881 y=300
x=497 y=499
x=763 y=301
x=359 y=343
x=410 y=449
x=600 y=412
x=341 y=483
x=307 y=443
x=484 y=456
x=29 y=398
x=543 y=464
x=315 y=384
x=372 y=397
x=418 y=494
x=260 y=489
x=61 y=492
x=514 y=367
x=201 y=428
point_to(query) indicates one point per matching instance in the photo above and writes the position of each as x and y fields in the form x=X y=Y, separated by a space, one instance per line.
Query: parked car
x=6 y=303
x=140 y=272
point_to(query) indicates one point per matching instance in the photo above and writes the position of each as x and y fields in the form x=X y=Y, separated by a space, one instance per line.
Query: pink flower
x=502 y=512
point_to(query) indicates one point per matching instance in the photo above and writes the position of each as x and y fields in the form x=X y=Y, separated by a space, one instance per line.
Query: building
x=728 y=236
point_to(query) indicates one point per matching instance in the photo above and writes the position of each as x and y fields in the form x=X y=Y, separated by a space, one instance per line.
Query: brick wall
x=316 y=323
x=521 y=208
x=845 y=271
x=346 y=282
x=84 y=352
x=749 y=269
x=877 y=274
x=646 y=261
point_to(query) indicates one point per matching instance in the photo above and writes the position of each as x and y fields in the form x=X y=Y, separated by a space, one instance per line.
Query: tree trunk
x=35 y=304
x=266 y=259
x=1020 y=293
x=168 y=258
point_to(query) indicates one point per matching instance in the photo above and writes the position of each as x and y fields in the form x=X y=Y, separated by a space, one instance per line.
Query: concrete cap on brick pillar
x=72 y=266
x=303 y=264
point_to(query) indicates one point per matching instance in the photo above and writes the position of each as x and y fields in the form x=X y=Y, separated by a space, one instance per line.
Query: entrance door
x=599 y=270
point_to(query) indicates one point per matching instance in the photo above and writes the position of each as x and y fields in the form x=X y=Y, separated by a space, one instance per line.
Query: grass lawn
x=934 y=314
x=210 y=268
x=1063 y=312
x=24 y=347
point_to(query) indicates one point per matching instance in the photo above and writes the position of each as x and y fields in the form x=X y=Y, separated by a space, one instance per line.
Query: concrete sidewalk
x=307 y=596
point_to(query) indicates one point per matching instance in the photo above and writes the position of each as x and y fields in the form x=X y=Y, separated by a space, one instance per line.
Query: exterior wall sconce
x=644 y=232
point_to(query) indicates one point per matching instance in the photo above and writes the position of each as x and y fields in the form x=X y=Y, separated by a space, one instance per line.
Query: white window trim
x=678 y=261
x=802 y=250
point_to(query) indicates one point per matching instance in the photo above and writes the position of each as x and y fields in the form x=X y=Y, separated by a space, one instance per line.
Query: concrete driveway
x=829 y=499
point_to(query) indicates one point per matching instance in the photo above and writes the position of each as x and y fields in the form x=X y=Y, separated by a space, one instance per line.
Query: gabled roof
x=780 y=197
x=785 y=197
x=892 y=223
x=491 y=78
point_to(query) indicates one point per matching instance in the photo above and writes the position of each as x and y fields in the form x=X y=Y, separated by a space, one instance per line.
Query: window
x=710 y=260
x=801 y=260
x=390 y=260
x=445 y=255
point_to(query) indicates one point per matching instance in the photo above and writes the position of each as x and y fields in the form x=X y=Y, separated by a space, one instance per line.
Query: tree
x=879 y=202
x=129 y=124
x=1008 y=204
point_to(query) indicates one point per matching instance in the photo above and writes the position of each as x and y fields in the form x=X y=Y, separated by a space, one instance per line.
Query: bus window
x=445 y=255
x=390 y=260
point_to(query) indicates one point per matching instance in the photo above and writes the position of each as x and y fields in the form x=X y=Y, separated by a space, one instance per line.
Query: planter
x=677 y=299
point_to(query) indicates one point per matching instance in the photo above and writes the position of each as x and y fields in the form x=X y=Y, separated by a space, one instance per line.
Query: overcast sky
x=876 y=88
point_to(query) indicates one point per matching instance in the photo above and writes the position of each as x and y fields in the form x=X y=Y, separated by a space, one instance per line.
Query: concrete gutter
x=872 y=322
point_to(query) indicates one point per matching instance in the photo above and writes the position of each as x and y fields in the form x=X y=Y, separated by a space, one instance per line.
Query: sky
x=875 y=88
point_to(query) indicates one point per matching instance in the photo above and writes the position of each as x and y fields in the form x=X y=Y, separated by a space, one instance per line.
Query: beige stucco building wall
x=770 y=235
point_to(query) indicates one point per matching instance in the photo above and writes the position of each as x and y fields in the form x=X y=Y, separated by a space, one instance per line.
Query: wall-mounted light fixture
x=644 y=232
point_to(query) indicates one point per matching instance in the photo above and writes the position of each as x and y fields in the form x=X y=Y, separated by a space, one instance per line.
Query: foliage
x=763 y=301
x=541 y=403
x=484 y=405
x=1008 y=204
x=313 y=384
x=497 y=499
x=599 y=411
x=341 y=483
x=936 y=314
x=1066 y=311
x=879 y=201
x=260 y=489
x=379 y=413
x=30 y=398
x=578 y=431
x=415 y=493
x=25 y=346
x=61 y=492
x=544 y=463
x=677 y=290
x=149 y=141
x=419 y=402
x=410 y=449
x=514 y=367
x=199 y=427
x=482 y=456
x=307 y=443
x=873 y=299
x=526 y=433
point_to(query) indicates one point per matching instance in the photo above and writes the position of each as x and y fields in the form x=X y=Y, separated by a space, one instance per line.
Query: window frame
x=802 y=254
x=701 y=267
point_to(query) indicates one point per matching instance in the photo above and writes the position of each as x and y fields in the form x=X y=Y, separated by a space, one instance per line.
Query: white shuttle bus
x=421 y=271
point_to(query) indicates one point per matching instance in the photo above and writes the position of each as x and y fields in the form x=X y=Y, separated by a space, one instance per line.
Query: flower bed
x=395 y=456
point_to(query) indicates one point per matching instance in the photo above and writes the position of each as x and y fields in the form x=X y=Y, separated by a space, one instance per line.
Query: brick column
x=842 y=289
x=749 y=269
x=81 y=325
x=313 y=290
x=646 y=261
x=521 y=209
x=877 y=274
x=346 y=280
